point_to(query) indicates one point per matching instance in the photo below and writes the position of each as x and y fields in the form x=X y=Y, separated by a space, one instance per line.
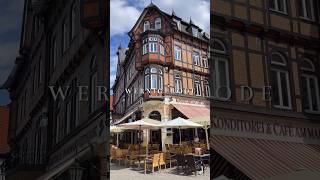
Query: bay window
x=153 y=47
x=153 y=78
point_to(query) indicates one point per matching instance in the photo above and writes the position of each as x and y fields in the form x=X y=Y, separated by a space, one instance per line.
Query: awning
x=125 y=116
x=192 y=111
x=260 y=159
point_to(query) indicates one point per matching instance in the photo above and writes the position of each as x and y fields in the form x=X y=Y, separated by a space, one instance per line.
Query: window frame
x=157 y=26
x=197 y=86
x=146 y=26
x=281 y=104
x=178 y=85
x=196 y=58
x=304 y=10
x=177 y=53
x=276 y=8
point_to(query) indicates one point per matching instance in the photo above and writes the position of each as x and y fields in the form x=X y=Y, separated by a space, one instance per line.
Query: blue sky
x=10 y=20
x=124 y=13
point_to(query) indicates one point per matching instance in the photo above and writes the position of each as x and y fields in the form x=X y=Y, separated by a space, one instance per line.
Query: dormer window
x=146 y=26
x=178 y=23
x=157 y=23
x=194 y=32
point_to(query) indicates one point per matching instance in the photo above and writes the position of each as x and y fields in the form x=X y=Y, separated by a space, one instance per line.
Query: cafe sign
x=222 y=125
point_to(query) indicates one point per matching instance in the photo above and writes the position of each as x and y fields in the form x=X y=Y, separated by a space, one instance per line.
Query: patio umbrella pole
x=207 y=138
x=117 y=139
x=180 y=135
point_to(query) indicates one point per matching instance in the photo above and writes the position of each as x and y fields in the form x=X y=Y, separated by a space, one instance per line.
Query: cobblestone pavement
x=134 y=173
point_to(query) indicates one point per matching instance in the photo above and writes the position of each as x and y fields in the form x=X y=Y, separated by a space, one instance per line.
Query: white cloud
x=122 y=17
x=123 y=14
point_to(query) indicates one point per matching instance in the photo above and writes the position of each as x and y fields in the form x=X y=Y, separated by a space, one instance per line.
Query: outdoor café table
x=200 y=157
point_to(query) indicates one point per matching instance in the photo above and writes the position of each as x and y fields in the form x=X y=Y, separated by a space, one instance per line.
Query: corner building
x=265 y=119
x=163 y=74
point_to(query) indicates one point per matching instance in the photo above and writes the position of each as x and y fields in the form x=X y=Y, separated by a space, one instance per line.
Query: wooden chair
x=152 y=162
x=112 y=153
x=162 y=161
x=131 y=158
x=120 y=156
x=170 y=158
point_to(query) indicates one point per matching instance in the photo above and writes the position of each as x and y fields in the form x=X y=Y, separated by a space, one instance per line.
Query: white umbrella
x=205 y=121
x=145 y=123
x=116 y=130
x=180 y=123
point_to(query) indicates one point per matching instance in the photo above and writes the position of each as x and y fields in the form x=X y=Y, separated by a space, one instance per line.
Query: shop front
x=262 y=146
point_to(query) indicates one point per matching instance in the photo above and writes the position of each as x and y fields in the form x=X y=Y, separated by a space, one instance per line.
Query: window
x=40 y=79
x=153 y=78
x=146 y=26
x=177 y=53
x=306 y=9
x=161 y=49
x=178 y=23
x=194 y=32
x=195 y=58
x=206 y=88
x=278 y=5
x=197 y=87
x=157 y=23
x=73 y=21
x=93 y=85
x=178 y=84
x=218 y=46
x=145 y=49
x=153 y=47
x=280 y=82
x=93 y=92
x=205 y=62
x=221 y=83
x=310 y=87
x=64 y=35
x=54 y=52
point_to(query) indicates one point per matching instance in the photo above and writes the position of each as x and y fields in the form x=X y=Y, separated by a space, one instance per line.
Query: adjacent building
x=162 y=74
x=266 y=102
x=57 y=137
x=4 y=147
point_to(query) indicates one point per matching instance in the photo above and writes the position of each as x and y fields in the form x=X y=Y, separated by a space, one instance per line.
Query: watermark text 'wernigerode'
x=84 y=92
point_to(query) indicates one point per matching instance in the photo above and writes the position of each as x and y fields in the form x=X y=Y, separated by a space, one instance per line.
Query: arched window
x=278 y=59
x=155 y=115
x=153 y=78
x=280 y=83
x=310 y=87
x=178 y=83
x=221 y=82
x=146 y=26
x=197 y=86
x=157 y=23
x=218 y=46
x=206 y=88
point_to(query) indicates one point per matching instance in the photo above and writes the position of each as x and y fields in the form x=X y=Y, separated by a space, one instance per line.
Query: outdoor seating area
x=188 y=158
